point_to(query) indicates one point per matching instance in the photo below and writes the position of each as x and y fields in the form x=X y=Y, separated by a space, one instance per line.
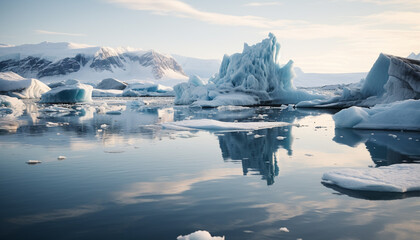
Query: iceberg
x=74 y=92
x=14 y=85
x=395 y=178
x=401 y=115
x=199 y=235
x=249 y=78
x=214 y=125
x=390 y=79
x=106 y=93
x=111 y=83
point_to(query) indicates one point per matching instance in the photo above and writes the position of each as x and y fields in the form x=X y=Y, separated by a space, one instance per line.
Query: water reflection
x=385 y=147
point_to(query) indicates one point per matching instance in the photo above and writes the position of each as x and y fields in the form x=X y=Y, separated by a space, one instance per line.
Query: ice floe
x=11 y=106
x=393 y=178
x=402 y=115
x=199 y=235
x=248 y=78
x=214 y=125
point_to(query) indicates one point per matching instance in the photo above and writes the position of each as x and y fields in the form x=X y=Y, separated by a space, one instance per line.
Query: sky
x=325 y=36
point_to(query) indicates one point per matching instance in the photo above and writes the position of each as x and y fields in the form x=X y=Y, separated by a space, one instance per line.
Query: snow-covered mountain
x=414 y=56
x=57 y=61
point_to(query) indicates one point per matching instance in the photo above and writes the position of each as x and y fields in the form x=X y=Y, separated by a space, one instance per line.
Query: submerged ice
x=248 y=78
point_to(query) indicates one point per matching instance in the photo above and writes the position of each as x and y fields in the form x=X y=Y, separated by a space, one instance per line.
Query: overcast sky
x=319 y=35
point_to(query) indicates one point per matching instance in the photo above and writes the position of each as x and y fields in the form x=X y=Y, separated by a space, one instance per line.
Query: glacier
x=16 y=86
x=400 y=115
x=74 y=92
x=390 y=79
x=395 y=178
x=252 y=77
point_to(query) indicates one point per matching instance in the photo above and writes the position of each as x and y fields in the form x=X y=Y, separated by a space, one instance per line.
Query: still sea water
x=126 y=177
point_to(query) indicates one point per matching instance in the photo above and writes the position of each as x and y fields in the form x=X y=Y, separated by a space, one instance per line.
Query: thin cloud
x=59 y=33
x=262 y=4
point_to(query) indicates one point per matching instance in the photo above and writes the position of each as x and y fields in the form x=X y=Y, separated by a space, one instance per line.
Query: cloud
x=180 y=9
x=59 y=33
x=262 y=4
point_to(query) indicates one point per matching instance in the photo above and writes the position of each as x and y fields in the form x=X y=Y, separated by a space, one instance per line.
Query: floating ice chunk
x=8 y=125
x=214 y=125
x=393 y=178
x=284 y=229
x=72 y=93
x=254 y=73
x=61 y=157
x=404 y=115
x=16 y=86
x=199 y=235
x=231 y=108
x=258 y=136
x=11 y=106
x=33 y=161
x=111 y=83
x=103 y=126
x=280 y=138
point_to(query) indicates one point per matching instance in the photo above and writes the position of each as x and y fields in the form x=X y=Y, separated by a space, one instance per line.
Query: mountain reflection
x=385 y=147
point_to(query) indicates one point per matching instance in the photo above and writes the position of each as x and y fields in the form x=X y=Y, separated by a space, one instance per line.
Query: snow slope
x=16 y=86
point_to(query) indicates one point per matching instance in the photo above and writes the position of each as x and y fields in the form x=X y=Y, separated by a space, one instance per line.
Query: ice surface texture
x=11 y=106
x=72 y=93
x=401 y=115
x=248 y=78
x=16 y=86
x=394 y=178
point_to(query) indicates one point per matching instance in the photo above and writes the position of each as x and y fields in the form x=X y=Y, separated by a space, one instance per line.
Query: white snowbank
x=199 y=235
x=402 y=115
x=393 y=178
x=253 y=77
x=72 y=93
x=16 y=86
x=111 y=83
x=214 y=125
x=11 y=106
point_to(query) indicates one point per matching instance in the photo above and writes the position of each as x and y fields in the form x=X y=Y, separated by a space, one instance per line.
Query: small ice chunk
x=33 y=162
x=393 y=178
x=61 y=157
x=113 y=112
x=284 y=229
x=103 y=126
x=280 y=138
x=199 y=235
x=392 y=135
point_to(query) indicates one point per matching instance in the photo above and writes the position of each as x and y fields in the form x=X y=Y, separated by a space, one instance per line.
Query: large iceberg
x=401 y=115
x=394 y=178
x=73 y=92
x=390 y=79
x=249 y=78
x=14 y=85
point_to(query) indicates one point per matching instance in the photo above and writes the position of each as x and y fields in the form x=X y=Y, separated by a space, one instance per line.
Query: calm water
x=135 y=180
